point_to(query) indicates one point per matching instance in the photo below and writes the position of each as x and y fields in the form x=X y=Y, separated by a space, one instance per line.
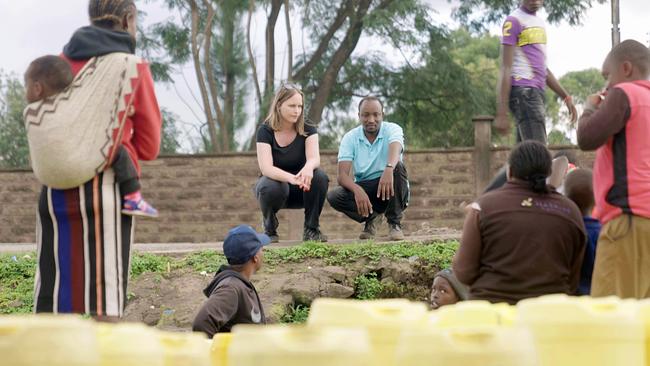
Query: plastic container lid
x=376 y=314
x=467 y=313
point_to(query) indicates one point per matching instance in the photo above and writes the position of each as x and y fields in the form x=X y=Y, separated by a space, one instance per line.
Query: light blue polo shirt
x=369 y=160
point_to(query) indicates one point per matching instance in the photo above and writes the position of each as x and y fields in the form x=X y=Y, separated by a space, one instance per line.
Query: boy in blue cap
x=232 y=298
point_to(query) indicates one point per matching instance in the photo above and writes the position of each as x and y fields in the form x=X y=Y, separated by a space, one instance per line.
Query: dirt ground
x=170 y=300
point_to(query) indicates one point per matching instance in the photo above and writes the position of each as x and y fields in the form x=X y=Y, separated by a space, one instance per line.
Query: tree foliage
x=14 y=151
x=436 y=102
x=479 y=13
x=170 y=143
x=210 y=35
x=447 y=77
x=579 y=84
x=557 y=137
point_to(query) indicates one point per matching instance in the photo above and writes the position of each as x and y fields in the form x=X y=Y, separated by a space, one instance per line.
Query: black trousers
x=125 y=174
x=342 y=200
x=527 y=107
x=274 y=195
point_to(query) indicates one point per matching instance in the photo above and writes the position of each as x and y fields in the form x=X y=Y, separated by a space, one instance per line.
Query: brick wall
x=201 y=197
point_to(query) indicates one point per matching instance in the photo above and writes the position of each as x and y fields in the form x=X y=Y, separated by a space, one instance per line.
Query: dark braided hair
x=108 y=13
x=530 y=161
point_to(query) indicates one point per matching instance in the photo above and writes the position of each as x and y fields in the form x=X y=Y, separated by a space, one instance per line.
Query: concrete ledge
x=182 y=248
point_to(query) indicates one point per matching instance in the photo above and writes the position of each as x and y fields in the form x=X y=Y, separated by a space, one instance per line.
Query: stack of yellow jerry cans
x=554 y=330
x=573 y=331
x=47 y=340
x=470 y=333
x=68 y=340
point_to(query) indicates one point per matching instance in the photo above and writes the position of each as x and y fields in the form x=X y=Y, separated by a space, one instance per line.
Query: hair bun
x=538 y=182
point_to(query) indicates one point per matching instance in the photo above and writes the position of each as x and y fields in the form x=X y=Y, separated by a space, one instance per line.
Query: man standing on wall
x=523 y=77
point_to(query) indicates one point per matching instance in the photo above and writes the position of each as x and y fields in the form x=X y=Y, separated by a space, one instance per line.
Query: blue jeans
x=527 y=107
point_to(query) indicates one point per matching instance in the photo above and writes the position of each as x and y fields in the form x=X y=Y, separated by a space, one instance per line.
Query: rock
x=303 y=289
x=151 y=317
x=398 y=271
x=277 y=306
x=335 y=273
x=337 y=291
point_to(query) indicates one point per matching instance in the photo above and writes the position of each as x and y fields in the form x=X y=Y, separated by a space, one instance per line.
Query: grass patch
x=295 y=314
x=145 y=262
x=17 y=271
x=205 y=261
x=368 y=287
x=17 y=283
x=437 y=253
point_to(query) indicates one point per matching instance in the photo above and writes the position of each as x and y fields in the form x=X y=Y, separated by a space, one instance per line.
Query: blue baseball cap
x=242 y=243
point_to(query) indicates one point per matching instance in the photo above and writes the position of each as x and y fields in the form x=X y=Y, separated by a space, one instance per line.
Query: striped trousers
x=84 y=247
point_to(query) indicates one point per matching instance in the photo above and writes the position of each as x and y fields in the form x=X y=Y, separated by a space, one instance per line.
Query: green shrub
x=17 y=283
x=368 y=287
x=295 y=314
x=207 y=260
x=143 y=262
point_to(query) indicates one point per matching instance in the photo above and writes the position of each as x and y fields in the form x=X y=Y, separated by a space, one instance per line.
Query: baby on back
x=49 y=75
x=45 y=77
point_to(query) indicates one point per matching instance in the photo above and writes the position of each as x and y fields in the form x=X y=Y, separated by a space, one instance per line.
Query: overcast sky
x=31 y=28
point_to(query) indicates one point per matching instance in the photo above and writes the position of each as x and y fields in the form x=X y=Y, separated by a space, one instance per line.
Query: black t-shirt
x=290 y=158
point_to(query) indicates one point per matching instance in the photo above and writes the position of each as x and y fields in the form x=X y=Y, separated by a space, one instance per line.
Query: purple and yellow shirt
x=527 y=33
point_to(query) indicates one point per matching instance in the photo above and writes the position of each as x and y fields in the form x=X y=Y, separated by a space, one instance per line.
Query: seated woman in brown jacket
x=524 y=239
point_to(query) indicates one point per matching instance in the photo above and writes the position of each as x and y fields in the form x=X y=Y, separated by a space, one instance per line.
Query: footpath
x=182 y=248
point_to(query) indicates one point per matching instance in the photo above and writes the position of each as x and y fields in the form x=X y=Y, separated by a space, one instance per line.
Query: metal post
x=616 y=19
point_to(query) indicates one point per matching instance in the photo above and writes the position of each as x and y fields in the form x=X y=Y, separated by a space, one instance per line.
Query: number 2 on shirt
x=506 y=28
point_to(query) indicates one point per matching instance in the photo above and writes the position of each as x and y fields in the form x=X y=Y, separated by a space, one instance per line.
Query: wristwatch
x=389 y=165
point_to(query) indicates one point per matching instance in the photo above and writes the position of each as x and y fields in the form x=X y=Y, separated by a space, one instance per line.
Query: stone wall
x=201 y=197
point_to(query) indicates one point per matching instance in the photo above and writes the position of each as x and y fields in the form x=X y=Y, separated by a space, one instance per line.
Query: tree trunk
x=270 y=46
x=270 y=66
x=287 y=20
x=341 y=55
x=229 y=96
x=345 y=10
x=199 y=75
x=212 y=80
x=251 y=56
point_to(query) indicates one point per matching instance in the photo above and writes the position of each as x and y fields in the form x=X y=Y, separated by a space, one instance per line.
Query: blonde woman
x=289 y=159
